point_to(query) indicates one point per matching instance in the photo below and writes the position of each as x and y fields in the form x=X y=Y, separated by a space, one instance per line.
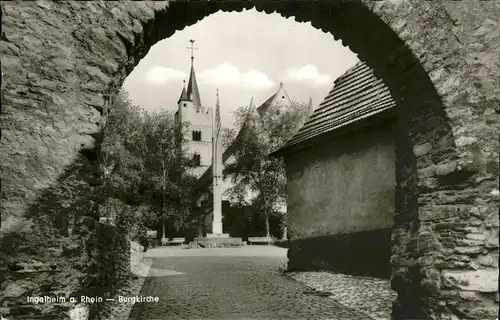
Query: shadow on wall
x=66 y=250
x=365 y=253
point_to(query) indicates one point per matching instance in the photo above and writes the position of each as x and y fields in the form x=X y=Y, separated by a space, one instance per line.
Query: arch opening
x=421 y=116
x=106 y=43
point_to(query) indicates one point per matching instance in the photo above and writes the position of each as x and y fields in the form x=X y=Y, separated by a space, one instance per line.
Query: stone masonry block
x=478 y=280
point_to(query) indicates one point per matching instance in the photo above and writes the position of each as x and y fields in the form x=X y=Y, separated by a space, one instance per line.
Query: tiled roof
x=356 y=95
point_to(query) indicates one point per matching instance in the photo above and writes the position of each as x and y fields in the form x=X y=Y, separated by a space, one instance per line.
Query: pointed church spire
x=192 y=89
x=184 y=96
x=216 y=145
x=252 y=111
x=310 y=108
x=217 y=116
x=251 y=107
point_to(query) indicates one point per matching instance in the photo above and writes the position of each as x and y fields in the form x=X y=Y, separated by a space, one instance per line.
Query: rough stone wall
x=109 y=266
x=449 y=255
x=50 y=121
x=63 y=62
x=92 y=263
x=52 y=257
x=136 y=256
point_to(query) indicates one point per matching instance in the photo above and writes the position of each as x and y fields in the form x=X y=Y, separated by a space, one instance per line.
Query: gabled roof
x=192 y=89
x=280 y=96
x=356 y=95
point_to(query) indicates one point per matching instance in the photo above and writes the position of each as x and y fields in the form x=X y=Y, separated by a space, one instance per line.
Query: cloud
x=257 y=79
x=158 y=75
x=226 y=74
x=308 y=74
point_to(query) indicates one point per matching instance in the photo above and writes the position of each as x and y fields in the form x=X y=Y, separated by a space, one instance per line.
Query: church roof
x=251 y=106
x=356 y=95
x=275 y=98
x=184 y=96
x=280 y=94
x=192 y=89
x=252 y=112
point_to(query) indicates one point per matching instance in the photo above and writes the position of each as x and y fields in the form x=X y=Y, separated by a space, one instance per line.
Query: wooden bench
x=172 y=241
x=259 y=240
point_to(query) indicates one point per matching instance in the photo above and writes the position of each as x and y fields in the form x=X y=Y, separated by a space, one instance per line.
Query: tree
x=253 y=170
x=228 y=135
x=167 y=168
x=120 y=157
x=143 y=165
x=119 y=146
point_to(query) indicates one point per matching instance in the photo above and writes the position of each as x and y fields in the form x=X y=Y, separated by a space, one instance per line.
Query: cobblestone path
x=236 y=283
x=372 y=296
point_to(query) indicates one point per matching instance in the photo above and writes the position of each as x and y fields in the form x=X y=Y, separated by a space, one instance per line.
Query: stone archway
x=65 y=62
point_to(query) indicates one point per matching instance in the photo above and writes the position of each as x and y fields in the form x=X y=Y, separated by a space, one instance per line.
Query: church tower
x=197 y=142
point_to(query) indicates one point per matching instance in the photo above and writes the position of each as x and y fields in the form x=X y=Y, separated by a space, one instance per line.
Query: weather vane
x=192 y=48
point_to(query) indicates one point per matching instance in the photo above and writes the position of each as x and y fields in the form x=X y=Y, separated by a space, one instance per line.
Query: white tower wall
x=197 y=119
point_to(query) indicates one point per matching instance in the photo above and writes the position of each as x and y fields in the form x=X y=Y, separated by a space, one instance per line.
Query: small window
x=196 y=135
x=185 y=104
x=197 y=159
x=282 y=97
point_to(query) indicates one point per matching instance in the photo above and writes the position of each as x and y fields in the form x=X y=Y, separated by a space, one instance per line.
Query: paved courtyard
x=231 y=283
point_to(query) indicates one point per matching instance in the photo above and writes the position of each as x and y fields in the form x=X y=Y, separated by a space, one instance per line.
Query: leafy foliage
x=144 y=166
x=253 y=171
x=228 y=135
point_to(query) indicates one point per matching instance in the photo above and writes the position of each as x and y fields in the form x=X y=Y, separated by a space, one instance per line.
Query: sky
x=243 y=54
